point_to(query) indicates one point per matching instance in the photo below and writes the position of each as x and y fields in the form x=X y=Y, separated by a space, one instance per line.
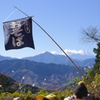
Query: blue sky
x=62 y=19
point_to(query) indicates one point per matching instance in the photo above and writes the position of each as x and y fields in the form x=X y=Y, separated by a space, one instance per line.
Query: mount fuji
x=79 y=55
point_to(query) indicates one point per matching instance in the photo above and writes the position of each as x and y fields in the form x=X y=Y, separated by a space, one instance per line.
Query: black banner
x=18 y=34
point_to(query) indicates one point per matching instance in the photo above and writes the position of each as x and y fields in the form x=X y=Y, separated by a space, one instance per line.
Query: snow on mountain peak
x=82 y=52
x=54 y=52
x=73 y=53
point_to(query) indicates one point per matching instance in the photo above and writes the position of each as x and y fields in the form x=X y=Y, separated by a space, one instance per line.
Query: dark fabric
x=45 y=99
x=18 y=34
x=81 y=91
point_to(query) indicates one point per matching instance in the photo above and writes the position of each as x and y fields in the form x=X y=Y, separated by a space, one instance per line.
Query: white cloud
x=70 y=52
x=82 y=52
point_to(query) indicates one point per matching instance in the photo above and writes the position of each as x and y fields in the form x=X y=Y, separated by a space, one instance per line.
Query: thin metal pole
x=62 y=51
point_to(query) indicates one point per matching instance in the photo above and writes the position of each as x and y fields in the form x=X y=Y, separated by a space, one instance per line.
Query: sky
x=62 y=20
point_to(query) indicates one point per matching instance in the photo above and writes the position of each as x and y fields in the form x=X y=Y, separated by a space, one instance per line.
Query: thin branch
x=91 y=34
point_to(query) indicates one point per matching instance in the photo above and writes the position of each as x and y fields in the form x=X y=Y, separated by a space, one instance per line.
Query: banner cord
x=10 y=14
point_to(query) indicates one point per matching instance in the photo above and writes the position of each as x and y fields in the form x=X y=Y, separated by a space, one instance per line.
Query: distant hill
x=89 y=62
x=8 y=84
x=39 y=74
x=82 y=58
x=48 y=57
x=5 y=58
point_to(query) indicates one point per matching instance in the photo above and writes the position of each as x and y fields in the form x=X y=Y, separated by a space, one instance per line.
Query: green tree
x=92 y=34
x=96 y=68
x=5 y=82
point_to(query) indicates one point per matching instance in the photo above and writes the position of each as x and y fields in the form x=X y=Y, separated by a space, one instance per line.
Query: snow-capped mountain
x=81 y=58
x=79 y=55
x=81 y=52
x=48 y=57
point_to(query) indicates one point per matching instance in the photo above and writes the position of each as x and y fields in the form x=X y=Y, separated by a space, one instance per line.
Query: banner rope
x=10 y=14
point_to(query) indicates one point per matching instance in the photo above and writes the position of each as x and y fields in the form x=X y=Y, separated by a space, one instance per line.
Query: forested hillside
x=40 y=74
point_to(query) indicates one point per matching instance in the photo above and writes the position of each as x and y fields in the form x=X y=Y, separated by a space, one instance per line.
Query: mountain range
x=49 y=76
x=80 y=59
x=45 y=70
x=6 y=58
x=48 y=57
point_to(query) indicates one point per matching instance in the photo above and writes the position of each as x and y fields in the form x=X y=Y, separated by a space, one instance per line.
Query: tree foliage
x=96 y=68
x=92 y=34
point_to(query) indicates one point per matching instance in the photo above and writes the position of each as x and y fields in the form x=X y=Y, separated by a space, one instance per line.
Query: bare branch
x=91 y=34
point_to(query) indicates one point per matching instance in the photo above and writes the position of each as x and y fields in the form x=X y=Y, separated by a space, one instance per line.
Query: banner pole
x=53 y=41
x=61 y=50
